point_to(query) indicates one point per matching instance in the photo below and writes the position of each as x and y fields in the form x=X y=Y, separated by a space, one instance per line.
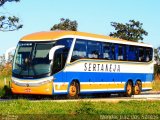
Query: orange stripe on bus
x=61 y=87
x=101 y=86
x=146 y=85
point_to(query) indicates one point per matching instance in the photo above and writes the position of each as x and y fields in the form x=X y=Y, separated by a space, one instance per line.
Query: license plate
x=27 y=90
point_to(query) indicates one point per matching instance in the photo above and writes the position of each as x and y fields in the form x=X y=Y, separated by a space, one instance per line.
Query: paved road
x=144 y=96
x=115 y=98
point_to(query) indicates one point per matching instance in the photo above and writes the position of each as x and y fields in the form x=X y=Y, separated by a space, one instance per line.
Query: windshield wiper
x=22 y=66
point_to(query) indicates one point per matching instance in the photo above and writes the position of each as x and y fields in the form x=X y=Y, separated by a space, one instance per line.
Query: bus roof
x=54 y=35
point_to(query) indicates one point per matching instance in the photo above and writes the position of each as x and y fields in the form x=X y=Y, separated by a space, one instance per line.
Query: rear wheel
x=137 y=88
x=129 y=89
x=73 y=90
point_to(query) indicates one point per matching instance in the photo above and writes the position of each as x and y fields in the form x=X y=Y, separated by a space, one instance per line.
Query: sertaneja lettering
x=93 y=67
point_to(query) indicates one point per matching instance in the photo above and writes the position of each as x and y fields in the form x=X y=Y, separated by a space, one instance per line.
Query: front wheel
x=129 y=89
x=73 y=90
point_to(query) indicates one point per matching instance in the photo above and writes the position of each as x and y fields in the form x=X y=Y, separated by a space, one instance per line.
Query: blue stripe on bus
x=102 y=77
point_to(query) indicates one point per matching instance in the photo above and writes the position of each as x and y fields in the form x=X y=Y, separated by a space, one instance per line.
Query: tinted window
x=61 y=55
x=132 y=53
x=79 y=51
x=121 y=52
x=149 y=54
x=141 y=56
x=31 y=59
x=106 y=51
x=112 y=52
x=145 y=54
x=93 y=49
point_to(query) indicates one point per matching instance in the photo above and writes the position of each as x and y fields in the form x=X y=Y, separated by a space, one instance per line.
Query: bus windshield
x=31 y=59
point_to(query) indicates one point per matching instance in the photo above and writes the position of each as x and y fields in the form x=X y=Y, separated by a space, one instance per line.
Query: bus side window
x=93 y=49
x=132 y=53
x=79 y=51
x=112 y=52
x=58 y=61
x=148 y=54
x=141 y=54
x=120 y=52
x=105 y=49
x=61 y=55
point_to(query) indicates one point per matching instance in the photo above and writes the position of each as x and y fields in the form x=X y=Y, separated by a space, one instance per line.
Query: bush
x=6 y=70
x=5 y=92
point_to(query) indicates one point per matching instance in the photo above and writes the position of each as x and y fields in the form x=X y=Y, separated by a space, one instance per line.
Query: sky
x=93 y=16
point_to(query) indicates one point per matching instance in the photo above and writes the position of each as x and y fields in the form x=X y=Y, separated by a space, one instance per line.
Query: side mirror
x=52 y=51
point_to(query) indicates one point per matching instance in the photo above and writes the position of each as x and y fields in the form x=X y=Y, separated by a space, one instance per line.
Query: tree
x=131 y=31
x=10 y=23
x=2 y=60
x=157 y=65
x=2 y=2
x=66 y=24
x=157 y=55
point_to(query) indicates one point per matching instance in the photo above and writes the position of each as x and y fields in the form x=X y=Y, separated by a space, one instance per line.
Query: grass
x=79 y=109
x=47 y=107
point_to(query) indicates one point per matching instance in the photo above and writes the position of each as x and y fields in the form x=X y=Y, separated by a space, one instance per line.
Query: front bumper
x=45 y=89
x=41 y=86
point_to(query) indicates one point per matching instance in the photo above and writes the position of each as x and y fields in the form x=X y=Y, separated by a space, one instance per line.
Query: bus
x=74 y=63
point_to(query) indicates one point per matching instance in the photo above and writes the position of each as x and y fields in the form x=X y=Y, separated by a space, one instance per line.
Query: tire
x=129 y=89
x=73 y=92
x=137 y=88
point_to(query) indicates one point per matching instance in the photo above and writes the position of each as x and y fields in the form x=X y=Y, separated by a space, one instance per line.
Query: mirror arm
x=52 y=51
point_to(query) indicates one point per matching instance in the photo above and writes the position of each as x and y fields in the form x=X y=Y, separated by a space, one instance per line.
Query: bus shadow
x=64 y=97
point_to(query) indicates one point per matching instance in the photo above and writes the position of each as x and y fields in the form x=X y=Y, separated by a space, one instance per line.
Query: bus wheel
x=73 y=90
x=137 y=88
x=129 y=89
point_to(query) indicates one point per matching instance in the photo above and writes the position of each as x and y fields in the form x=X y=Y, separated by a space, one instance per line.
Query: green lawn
x=79 y=109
